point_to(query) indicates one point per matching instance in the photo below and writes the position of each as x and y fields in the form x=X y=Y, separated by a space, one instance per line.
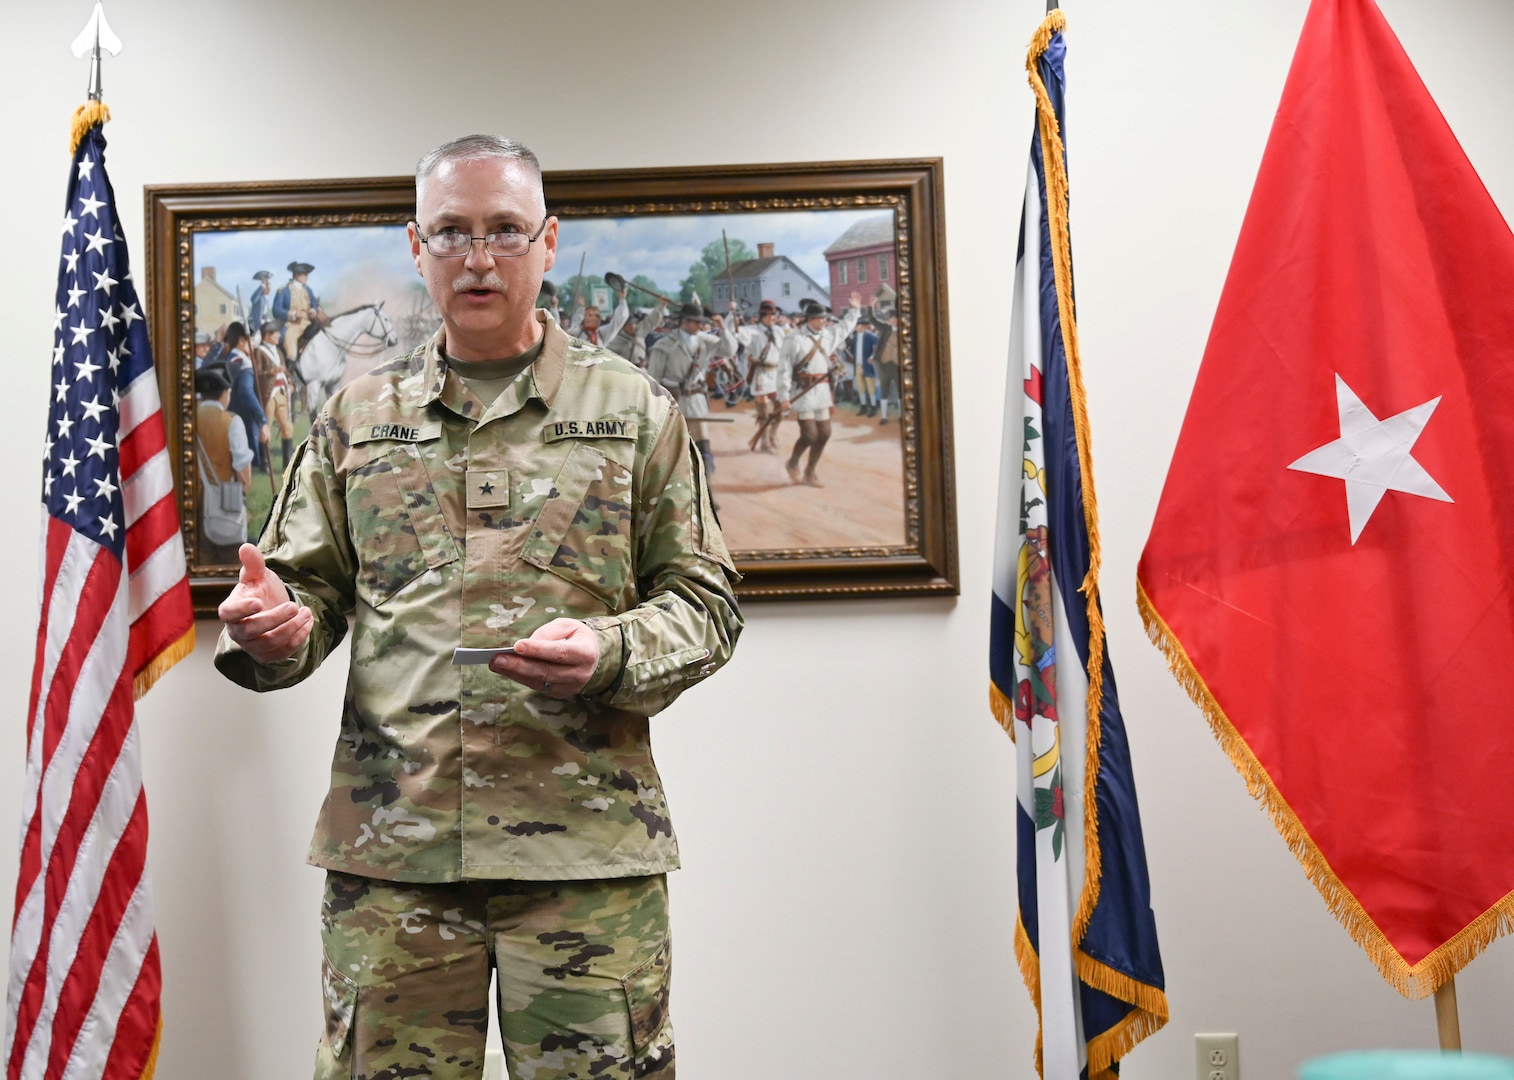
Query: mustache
x=470 y=280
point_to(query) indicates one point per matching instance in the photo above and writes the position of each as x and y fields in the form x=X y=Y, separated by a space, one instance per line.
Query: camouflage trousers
x=583 y=976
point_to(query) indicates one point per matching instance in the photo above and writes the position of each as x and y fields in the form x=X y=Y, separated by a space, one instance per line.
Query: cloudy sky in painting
x=353 y=265
x=664 y=246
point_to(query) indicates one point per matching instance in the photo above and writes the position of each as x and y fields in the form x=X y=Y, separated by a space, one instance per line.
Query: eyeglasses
x=450 y=243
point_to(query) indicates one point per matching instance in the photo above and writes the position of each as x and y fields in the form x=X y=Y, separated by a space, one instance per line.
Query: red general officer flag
x=1329 y=568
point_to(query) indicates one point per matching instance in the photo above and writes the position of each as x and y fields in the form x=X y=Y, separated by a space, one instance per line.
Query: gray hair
x=478 y=148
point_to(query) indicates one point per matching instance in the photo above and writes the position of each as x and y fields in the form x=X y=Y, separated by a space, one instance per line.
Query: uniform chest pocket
x=583 y=531
x=396 y=522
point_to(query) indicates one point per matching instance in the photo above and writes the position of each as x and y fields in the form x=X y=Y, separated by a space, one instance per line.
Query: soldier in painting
x=503 y=485
x=680 y=361
x=246 y=402
x=273 y=381
x=763 y=342
x=631 y=341
x=588 y=323
x=804 y=384
x=888 y=364
x=262 y=296
x=862 y=344
x=225 y=463
x=296 y=308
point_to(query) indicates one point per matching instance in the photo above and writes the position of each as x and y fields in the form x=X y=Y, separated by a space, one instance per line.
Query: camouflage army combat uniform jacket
x=436 y=523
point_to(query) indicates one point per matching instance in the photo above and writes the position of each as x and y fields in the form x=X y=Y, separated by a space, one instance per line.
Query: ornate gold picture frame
x=882 y=524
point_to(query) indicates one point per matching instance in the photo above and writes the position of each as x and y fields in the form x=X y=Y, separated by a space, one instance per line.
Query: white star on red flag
x=1373 y=456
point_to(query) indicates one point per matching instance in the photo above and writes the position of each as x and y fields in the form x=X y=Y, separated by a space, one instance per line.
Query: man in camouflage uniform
x=503 y=484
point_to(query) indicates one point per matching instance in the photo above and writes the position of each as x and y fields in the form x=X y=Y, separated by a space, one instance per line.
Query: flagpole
x=96 y=90
x=1446 y=1021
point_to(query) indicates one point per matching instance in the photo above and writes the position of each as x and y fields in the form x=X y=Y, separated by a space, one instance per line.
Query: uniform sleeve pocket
x=396 y=523
x=340 y=999
x=646 y=989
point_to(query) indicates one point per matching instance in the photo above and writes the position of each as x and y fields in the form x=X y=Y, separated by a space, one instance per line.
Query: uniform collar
x=541 y=380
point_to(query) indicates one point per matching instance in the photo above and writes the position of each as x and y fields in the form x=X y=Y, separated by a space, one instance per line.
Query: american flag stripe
x=155 y=537
x=139 y=402
x=71 y=568
x=121 y=980
x=74 y=819
x=146 y=452
x=101 y=743
x=146 y=646
x=138 y=1027
x=77 y=664
x=111 y=847
x=76 y=993
x=85 y=981
x=52 y=648
x=55 y=538
x=64 y=706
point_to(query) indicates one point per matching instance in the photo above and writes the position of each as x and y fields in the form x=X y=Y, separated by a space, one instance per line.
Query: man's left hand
x=558 y=660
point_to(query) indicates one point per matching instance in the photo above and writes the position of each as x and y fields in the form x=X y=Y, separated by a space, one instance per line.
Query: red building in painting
x=862 y=260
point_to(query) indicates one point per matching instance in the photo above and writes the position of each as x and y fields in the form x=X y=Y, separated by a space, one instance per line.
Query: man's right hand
x=259 y=616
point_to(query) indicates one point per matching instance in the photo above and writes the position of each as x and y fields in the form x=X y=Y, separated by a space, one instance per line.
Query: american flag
x=115 y=614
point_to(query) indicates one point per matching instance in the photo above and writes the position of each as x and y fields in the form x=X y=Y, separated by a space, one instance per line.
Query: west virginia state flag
x=1086 y=939
x=1329 y=571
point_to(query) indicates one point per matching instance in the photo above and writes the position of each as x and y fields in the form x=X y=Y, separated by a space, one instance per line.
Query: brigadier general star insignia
x=1373 y=456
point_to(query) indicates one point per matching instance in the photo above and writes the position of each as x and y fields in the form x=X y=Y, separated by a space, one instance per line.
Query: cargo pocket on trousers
x=646 y=989
x=339 y=994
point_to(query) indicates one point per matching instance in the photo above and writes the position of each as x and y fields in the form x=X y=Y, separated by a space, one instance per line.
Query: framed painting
x=321 y=272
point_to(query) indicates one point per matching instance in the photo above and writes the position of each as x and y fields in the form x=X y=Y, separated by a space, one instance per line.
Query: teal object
x=1408 y=1065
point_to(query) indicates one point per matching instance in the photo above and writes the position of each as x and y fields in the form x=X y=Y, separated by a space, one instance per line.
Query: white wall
x=843 y=798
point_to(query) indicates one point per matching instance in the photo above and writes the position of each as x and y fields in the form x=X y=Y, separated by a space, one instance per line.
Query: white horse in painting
x=358 y=336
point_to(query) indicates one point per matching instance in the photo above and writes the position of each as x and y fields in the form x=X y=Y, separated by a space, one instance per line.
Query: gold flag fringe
x=1106 y=1049
x=86 y=116
x=1061 y=261
x=1030 y=971
x=1003 y=710
x=1411 y=980
x=161 y=663
x=1147 y=1018
x=152 y=1057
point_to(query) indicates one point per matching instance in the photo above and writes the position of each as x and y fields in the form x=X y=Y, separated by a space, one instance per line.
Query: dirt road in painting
x=861 y=504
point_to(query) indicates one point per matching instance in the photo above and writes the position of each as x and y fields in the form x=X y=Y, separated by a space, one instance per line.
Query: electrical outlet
x=1217 y=1056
